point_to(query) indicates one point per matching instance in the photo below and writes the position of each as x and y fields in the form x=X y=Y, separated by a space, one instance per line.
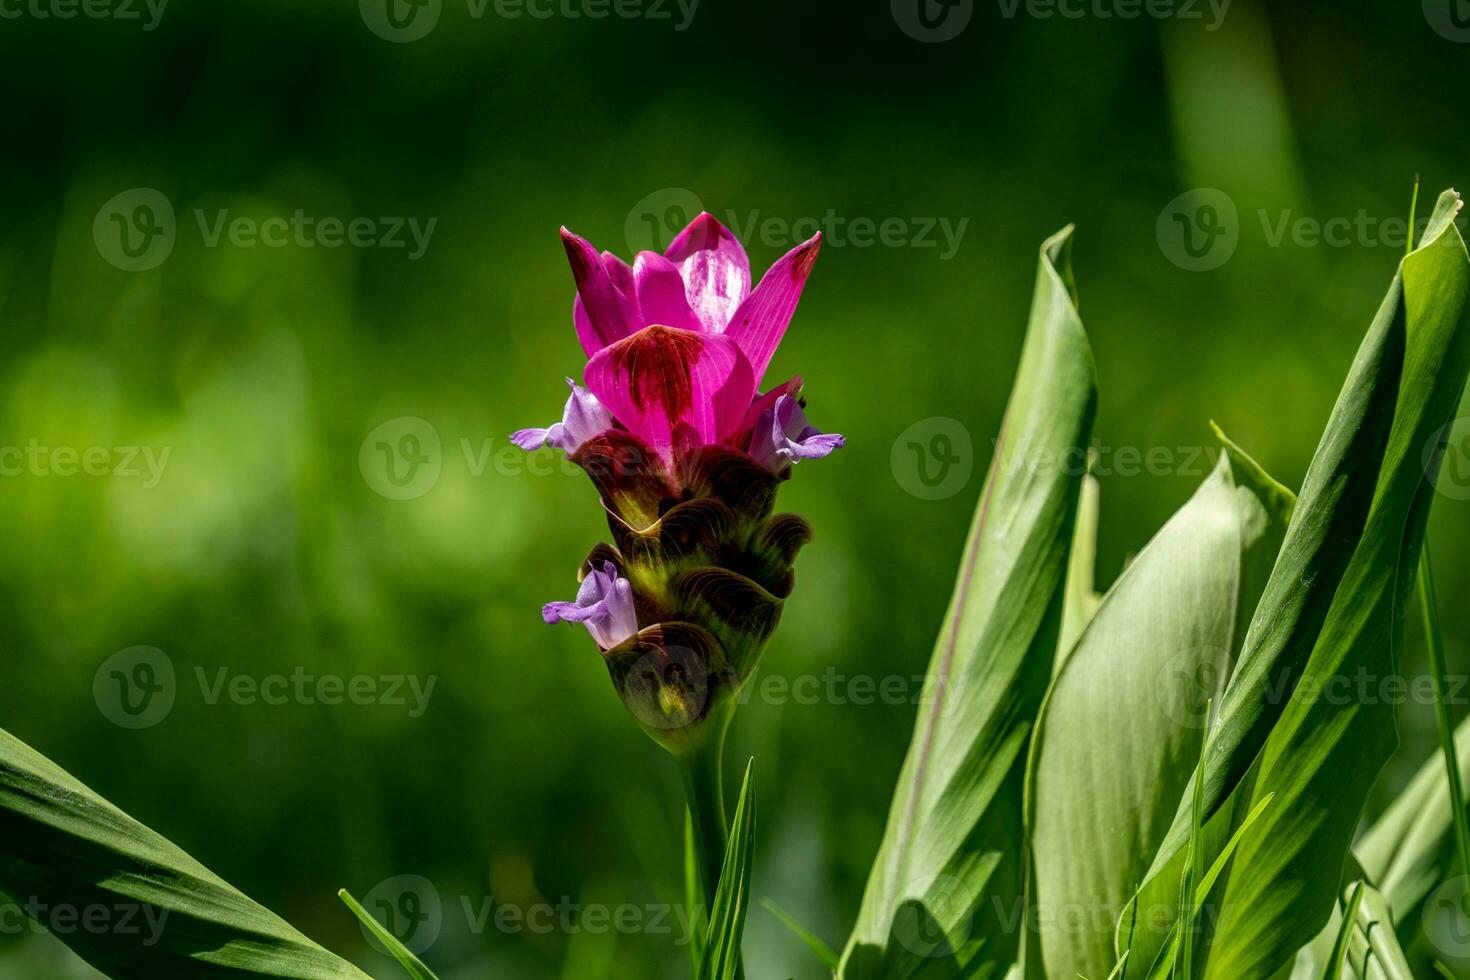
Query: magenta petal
x=660 y=291
x=761 y=321
x=715 y=269
x=663 y=381
x=602 y=312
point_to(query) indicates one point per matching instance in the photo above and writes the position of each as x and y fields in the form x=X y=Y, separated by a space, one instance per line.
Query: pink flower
x=678 y=343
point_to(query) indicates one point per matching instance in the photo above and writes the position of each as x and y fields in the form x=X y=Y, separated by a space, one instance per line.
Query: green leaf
x=1325 y=751
x=401 y=953
x=1082 y=599
x=1374 y=940
x=1411 y=848
x=1332 y=611
x=945 y=890
x=1122 y=725
x=732 y=898
x=823 y=952
x=67 y=849
x=1334 y=602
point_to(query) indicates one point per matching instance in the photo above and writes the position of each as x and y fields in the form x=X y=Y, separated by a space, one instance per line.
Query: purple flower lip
x=784 y=437
x=604 y=605
x=583 y=418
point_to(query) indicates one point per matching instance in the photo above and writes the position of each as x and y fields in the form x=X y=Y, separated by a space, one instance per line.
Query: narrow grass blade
x=410 y=963
x=1192 y=862
x=1344 y=936
x=823 y=952
x=732 y=898
x=1435 y=641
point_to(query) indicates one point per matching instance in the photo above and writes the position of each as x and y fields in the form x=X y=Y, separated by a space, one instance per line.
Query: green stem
x=704 y=789
x=1435 y=641
x=705 y=792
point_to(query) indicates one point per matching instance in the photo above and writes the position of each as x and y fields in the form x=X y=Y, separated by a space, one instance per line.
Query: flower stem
x=704 y=790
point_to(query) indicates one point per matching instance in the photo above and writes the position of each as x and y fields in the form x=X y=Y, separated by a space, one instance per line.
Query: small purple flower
x=604 y=605
x=583 y=418
x=783 y=436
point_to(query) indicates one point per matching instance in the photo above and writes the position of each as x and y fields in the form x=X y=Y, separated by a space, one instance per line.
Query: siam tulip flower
x=687 y=456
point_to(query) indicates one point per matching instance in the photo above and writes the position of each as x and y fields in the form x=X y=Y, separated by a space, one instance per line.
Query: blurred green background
x=266 y=547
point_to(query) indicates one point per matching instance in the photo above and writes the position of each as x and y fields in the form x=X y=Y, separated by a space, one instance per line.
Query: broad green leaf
x=944 y=896
x=1332 y=610
x=1411 y=848
x=1122 y=726
x=732 y=898
x=405 y=957
x=1326 y=750
x=71 y=852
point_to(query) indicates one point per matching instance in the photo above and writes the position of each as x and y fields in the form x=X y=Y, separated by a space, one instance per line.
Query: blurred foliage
x=263 y=549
